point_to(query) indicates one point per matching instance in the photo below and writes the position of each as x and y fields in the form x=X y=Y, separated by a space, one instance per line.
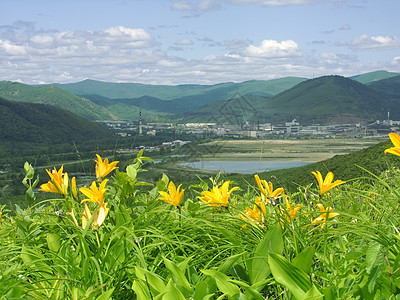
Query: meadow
x=119 y=237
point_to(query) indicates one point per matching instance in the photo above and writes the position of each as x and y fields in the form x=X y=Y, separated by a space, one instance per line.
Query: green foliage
x=45 y=124
x=324 y=100
x=374 y=76
x=52 y=95
x=345 y=167
x=145 y=248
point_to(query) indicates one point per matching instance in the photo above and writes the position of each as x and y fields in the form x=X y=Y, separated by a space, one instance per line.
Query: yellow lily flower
x=395 y=138
x=95 y=194
x=326 y=214
x=218 y=197
x=86 y=216
x=267 y=189
x=326 y=185
x=58 y=182
x=174 y=197
x=73 y=188
x=103 y=168
x=290 y=211
x=0 y=215
x=71 y=213
x=100 y=215
x=254 y=214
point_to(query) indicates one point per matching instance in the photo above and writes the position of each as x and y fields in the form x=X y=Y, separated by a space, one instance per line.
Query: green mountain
x=168 y=92
x=373 y=76
x=155 y=101
x=51 y=94
x=46 y=124
x=324 y=100
x=390 y=86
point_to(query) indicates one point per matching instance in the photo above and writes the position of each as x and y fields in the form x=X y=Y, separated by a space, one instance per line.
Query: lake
x=244 y=167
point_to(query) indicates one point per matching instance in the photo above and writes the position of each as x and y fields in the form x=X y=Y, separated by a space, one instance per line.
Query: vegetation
x=167 y=92
x=50 y=94
x=123 y=238
x=324 y=100
x=370 y=78
x=355 y=165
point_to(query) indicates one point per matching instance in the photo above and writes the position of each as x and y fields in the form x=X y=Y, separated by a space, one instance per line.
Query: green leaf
x=313 y=294
x=162 y=183
x=201 y=291
x=371 y=256
x=229 y=262
x=296 y=280
x=173 y=293
x=106 y=295
x=223 y=282
x=30 y=172
x=131 y=171
x=141 y=290
x=177 y=274
x=258 y=264
x=304 y=260
x=53 y=242
x=152 y=279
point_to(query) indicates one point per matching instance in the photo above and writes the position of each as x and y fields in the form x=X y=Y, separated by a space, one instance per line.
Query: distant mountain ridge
x=371 y=77
x=53 y=95
x=324 y=100
x=357 y=99
x=168 y=92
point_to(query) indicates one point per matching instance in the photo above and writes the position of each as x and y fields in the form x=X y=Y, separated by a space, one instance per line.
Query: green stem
x=97 y=239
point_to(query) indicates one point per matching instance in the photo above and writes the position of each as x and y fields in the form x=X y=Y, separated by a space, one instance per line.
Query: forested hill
x=50 y=94
x=40 y=124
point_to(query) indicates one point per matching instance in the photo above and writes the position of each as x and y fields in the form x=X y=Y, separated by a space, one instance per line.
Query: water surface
x=244 y=167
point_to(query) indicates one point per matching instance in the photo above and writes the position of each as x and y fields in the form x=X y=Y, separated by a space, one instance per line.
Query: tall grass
x=254 y=247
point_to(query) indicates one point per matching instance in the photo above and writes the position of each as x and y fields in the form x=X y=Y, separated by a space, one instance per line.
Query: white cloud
x=272 y=48
x=366 y=42
x=184 y=42
x=181 y=5
x=395 y=61
x=122 y=54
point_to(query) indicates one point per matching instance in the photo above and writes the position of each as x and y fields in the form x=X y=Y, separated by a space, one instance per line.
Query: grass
x=252 y=245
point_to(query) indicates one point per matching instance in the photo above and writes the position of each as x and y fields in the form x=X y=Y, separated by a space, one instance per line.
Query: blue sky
x=195 y=41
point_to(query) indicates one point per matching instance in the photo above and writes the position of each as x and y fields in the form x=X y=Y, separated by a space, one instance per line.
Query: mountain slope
x=324 y=100
x=124 y=99
x=390 y=86
x=45 y=124
x=50 y=94
x=168 y=92
x=373 y=76
x=344 y=167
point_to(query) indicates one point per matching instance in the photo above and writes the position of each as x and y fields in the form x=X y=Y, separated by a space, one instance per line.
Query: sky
x=195 y=41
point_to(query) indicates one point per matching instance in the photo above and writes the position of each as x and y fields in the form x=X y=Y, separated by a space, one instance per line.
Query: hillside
x=50 y=94
x=324 y=100
x=390 y=86
x=157 y=101
x=373 y=76
x=344 y=167
x=167 y=92
x=45 y=124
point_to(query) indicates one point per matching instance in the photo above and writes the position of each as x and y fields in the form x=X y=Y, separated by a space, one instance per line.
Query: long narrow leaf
x=296 y=280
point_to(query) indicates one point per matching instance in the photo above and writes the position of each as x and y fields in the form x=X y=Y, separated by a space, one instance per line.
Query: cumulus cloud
x=122 y=54
x=272 y=48
x=366 y=42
